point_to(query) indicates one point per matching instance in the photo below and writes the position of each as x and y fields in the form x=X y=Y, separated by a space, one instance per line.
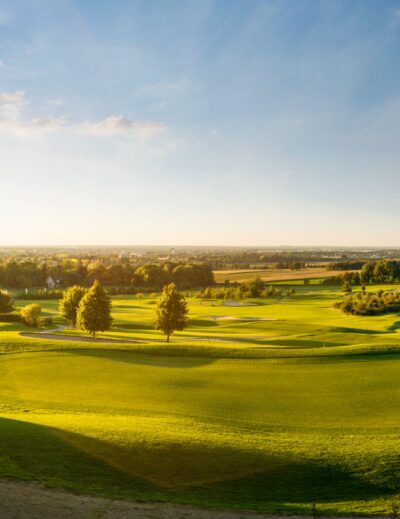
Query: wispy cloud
x=2 y=64
x=119 y=125
x=32 y=127
x=12 y=121
x=12 y=105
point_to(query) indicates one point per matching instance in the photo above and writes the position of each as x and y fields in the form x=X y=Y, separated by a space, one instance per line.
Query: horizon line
x=172 y=246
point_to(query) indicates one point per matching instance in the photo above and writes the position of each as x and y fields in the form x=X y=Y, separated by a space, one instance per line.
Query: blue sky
x=203 y=122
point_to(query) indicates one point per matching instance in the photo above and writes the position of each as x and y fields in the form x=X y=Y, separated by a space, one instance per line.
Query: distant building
x=51 y=283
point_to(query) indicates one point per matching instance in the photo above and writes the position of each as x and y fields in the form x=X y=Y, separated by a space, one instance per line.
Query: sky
x=200 y=122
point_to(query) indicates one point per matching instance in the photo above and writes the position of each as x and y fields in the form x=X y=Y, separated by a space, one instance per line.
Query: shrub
x=370 y=304
x=31 y=315
x=6 y=303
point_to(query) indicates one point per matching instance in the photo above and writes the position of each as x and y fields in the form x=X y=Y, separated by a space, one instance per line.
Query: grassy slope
x=264 y=414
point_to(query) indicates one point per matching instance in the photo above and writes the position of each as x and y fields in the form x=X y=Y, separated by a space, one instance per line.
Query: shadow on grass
x=163 y=361
x=302 y=343
x=126 y=307
x=196 y=473
x=36 y=452
x=393 y=327
x=366 y=331
x=133 y=326
x=207 y=323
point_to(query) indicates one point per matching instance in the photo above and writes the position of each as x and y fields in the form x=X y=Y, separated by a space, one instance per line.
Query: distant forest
x=64 y=272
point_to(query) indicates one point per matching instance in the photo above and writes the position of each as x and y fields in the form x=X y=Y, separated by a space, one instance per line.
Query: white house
x=51 y=282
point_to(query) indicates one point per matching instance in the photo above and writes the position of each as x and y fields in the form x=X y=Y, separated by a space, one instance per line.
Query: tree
x=383 y=271
x=346 y=287
x=171 y=311
x=367 y=272
x=6 y=303
x=70 y=302
x=94 y=311
x=31 y=315
x=254 y=287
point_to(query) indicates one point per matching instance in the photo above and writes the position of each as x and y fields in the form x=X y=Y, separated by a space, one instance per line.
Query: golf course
x=267 y=404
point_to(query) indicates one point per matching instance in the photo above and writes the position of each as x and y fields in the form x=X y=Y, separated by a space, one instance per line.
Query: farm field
x=268 y=405
x=274 y=275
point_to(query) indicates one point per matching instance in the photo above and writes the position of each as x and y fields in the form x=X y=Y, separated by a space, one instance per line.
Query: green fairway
x=268 y=405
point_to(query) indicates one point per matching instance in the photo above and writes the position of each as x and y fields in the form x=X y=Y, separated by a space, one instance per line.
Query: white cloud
x=17 y=97
x=32 y=127
x=2 y=64
x=11 y=121
x=119 y=125
x=12 y=105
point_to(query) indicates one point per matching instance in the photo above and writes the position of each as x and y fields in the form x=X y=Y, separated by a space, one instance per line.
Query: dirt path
x=53 y=330
x=22 y=500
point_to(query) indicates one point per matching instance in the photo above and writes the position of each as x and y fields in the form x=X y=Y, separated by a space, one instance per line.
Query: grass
x=268 y=407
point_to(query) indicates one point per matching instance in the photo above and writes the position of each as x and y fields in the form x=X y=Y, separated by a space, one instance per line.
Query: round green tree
x=171 y=311
x=94 y=311
x=70 y=302
x=6 y=303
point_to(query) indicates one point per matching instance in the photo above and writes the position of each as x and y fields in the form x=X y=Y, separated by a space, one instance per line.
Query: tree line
x=74 y=271
x=380 y=271
x=345 y=265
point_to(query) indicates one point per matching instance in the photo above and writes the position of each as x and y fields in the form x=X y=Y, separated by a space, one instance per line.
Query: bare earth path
x=22 y=500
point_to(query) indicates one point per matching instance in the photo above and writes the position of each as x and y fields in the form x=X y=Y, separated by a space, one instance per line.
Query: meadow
x=272 y=275
x=269 y=405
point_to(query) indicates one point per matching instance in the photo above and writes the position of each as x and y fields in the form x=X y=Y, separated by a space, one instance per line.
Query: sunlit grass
x=268 y=407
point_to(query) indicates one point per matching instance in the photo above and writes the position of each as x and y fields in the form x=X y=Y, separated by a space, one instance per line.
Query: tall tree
x=6 y=303
x=171 y=311
x=94 y=311
x=70 y=302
